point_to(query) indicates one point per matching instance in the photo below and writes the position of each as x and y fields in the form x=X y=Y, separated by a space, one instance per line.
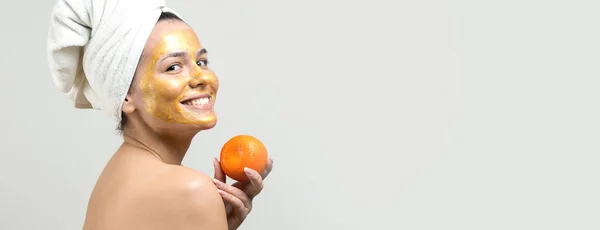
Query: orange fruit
x=243 y=151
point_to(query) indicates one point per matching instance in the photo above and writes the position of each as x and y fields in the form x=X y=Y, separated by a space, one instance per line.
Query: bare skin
x=137 y=191
x=144 y=185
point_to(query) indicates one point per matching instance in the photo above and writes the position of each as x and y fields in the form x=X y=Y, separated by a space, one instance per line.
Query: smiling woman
x=149 y=70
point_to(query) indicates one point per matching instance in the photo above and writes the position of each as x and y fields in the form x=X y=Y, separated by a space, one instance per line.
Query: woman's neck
x=169 y=149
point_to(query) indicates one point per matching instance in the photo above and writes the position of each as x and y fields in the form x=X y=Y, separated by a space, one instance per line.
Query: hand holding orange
x=243 y=151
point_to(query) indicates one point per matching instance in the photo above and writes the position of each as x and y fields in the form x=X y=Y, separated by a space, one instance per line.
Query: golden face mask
x=177 y=85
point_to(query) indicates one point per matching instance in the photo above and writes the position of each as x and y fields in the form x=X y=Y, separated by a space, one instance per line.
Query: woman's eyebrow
x=174 y=54
x=201 y=51
x=182 y=54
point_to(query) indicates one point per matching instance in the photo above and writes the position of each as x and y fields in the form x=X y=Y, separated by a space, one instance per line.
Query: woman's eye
x=202 y=63
x=173 y=67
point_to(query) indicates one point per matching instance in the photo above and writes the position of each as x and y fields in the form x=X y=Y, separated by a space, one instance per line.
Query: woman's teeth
x=199 y=101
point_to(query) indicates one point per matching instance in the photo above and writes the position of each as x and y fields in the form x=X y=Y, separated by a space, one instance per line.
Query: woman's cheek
x=214 y=81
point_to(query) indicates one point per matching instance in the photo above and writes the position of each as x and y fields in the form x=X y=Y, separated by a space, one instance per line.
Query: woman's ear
x=128 y=106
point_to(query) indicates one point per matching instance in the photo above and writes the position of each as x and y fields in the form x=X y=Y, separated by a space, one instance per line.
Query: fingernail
x=248 y=171
x=218 y=183
x=222 y=193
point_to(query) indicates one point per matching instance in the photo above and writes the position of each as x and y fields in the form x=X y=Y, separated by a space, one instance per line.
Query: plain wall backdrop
x=379 y=114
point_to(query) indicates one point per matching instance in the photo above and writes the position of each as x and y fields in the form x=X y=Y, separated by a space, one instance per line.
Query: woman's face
x=173 y=82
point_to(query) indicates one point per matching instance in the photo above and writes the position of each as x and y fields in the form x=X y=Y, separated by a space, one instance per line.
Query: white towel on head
x=94 y=47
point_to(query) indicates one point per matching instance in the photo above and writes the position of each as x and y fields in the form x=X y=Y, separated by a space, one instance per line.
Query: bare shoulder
x=182 y=198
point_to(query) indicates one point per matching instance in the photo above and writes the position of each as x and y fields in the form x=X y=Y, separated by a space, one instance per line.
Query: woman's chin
x=206 y=125
x=187 y=124
x=202 y=122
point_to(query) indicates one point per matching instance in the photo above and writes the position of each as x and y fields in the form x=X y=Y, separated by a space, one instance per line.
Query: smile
x=203 y=101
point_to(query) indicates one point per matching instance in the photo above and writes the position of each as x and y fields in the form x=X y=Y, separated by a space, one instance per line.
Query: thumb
x=219 y=174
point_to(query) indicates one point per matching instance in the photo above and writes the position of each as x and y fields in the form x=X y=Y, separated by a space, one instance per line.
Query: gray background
x=379 y=114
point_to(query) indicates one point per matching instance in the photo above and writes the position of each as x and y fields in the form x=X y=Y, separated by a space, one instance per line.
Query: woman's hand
x=238 y=196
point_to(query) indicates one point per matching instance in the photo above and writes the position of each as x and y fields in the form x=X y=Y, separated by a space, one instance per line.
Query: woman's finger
x=268 y=169
x=237 y=204
x=219 y=174
x=237 y=193
x=256 y=183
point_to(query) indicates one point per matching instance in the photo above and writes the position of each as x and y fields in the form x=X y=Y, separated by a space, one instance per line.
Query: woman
x=164 y=102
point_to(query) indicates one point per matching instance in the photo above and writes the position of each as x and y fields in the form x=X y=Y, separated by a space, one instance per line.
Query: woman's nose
x=197 y=82
x=200 y=78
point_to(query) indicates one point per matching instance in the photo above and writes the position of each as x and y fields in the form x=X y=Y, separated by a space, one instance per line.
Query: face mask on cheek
x=161 y=97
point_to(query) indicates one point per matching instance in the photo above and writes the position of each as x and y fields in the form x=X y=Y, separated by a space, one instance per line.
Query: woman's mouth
x=198 y=102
